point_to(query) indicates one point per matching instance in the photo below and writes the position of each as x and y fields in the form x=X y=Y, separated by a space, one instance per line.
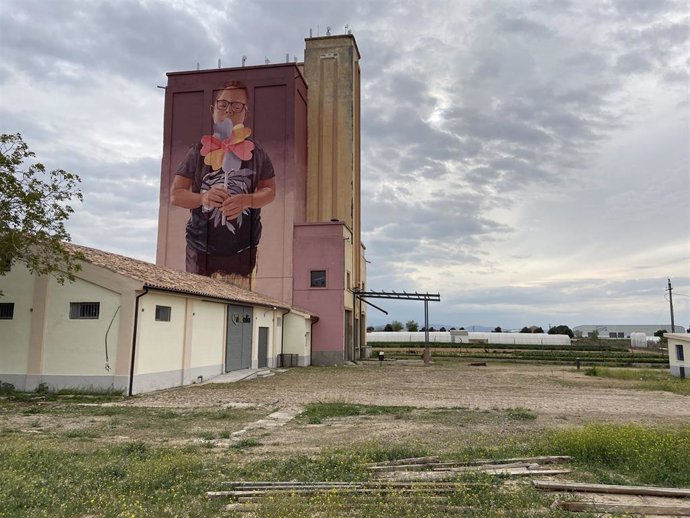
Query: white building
x=678 y=353
x=129 y=325
x=622 y=330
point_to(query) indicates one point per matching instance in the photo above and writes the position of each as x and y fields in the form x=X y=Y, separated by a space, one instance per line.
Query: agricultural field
x=84 y=455
x=608 y=353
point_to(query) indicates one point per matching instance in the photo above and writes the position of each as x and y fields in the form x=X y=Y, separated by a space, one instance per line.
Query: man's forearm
x=186 y=198
x=261 y=197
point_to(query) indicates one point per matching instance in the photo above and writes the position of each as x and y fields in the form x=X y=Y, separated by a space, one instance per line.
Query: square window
x=84 y=310
x=318 y=278
x=163 y=313
x=6 y=310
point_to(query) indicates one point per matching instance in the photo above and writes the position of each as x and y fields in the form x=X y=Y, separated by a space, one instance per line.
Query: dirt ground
x=463 y=404
x=558 y=392
x=453 y=405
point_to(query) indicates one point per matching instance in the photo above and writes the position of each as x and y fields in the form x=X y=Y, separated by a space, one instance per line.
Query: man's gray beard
x=223 y=129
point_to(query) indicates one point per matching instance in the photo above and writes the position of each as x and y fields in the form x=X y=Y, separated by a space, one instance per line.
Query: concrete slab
x=240 y=375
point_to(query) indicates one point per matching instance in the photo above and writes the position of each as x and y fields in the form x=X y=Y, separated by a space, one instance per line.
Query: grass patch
x=643 y=455
x=316 y=413
x=520 y=414
x=647 y=379
x=46 y=479
x=243 y=444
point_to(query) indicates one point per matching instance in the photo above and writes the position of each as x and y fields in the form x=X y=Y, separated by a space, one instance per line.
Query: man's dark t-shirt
x=205 y=229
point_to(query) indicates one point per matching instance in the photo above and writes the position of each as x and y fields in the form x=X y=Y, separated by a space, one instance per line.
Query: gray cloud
x=499 y=139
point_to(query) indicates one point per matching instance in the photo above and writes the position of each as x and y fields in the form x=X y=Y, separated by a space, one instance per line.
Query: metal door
x=263 y=347
x=238 y=347
x=682 y=373
x=348 y=336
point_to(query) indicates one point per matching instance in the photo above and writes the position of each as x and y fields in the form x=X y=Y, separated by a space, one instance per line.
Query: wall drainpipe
x=134 y=340
x=282 y=337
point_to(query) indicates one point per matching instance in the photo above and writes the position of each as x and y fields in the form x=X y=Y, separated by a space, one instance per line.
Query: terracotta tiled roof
x=161 y=277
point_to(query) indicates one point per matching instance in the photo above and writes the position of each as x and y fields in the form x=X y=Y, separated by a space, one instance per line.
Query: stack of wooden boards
x=433 y=479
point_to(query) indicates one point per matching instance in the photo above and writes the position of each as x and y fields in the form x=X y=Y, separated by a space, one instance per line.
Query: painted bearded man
x=225 y=180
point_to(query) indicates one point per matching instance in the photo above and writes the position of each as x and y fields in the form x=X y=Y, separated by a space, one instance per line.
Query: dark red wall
x=278 y=119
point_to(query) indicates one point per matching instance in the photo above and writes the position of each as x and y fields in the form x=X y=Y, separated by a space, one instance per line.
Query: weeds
x=316 y=413
x=243 y=444
x=520 y=414
x=647 y=379
x=646 y=455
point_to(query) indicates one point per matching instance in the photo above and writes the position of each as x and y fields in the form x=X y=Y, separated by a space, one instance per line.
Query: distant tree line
x=412 y=326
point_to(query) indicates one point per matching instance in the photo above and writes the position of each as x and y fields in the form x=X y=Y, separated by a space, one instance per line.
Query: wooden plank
x=413 y=460
x=369 y=484
x=548 y=459
x=668 y=510
x=442 y=475
x=611 y=489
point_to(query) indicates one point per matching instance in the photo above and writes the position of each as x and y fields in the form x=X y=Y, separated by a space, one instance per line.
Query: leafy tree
x=660 y=333
x=452 y=329
x=396 y=326
x=539 y=330
x=388 y=327
x=411 y=325
x=432 y=329
x=443 y=329
x=371 y=329
x=498 y=329
x=462 y=329
x=34 y=205
x=561 y=330
x=525 y=330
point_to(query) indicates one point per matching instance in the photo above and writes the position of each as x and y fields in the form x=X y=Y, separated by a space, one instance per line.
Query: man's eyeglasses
x=234 y=106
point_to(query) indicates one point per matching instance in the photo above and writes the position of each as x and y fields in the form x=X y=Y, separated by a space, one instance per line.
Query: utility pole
x=670 y=302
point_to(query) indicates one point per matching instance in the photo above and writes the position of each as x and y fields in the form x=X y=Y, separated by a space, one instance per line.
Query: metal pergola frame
x=394 y=295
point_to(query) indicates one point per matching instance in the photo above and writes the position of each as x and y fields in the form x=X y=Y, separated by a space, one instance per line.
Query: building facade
x=622 y=330
x=305 y=233
x=131 y=326
x=678 y=354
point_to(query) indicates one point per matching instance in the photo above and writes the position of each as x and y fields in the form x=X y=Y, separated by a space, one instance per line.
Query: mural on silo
x=225 y=179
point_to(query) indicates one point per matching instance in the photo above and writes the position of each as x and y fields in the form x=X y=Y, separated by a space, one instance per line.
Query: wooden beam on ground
x=421 y=462
x=611 y=489
x=645 y=510
x=442 y=475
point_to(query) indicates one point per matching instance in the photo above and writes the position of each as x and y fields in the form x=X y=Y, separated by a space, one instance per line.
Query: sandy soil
x=548 y=391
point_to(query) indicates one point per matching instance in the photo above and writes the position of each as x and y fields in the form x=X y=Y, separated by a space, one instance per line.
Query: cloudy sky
x=529 y=160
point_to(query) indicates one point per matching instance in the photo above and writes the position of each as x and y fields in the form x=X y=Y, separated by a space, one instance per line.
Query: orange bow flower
x=213 y=149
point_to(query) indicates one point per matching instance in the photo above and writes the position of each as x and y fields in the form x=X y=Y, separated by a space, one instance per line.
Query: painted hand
x=214 y=197
x=234 y=205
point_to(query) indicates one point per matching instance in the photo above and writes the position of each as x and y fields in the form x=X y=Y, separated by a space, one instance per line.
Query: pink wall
x=320 y=246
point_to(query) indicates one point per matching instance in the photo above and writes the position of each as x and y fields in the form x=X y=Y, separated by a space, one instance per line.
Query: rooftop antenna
x=318 y=30
x=266 y=60
x=310 y=32
x=218 y=62
x=294 y=58
x=197 y=65
x=244 y=60
x=347 y=27
x=287 y=57
x=328 y=30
